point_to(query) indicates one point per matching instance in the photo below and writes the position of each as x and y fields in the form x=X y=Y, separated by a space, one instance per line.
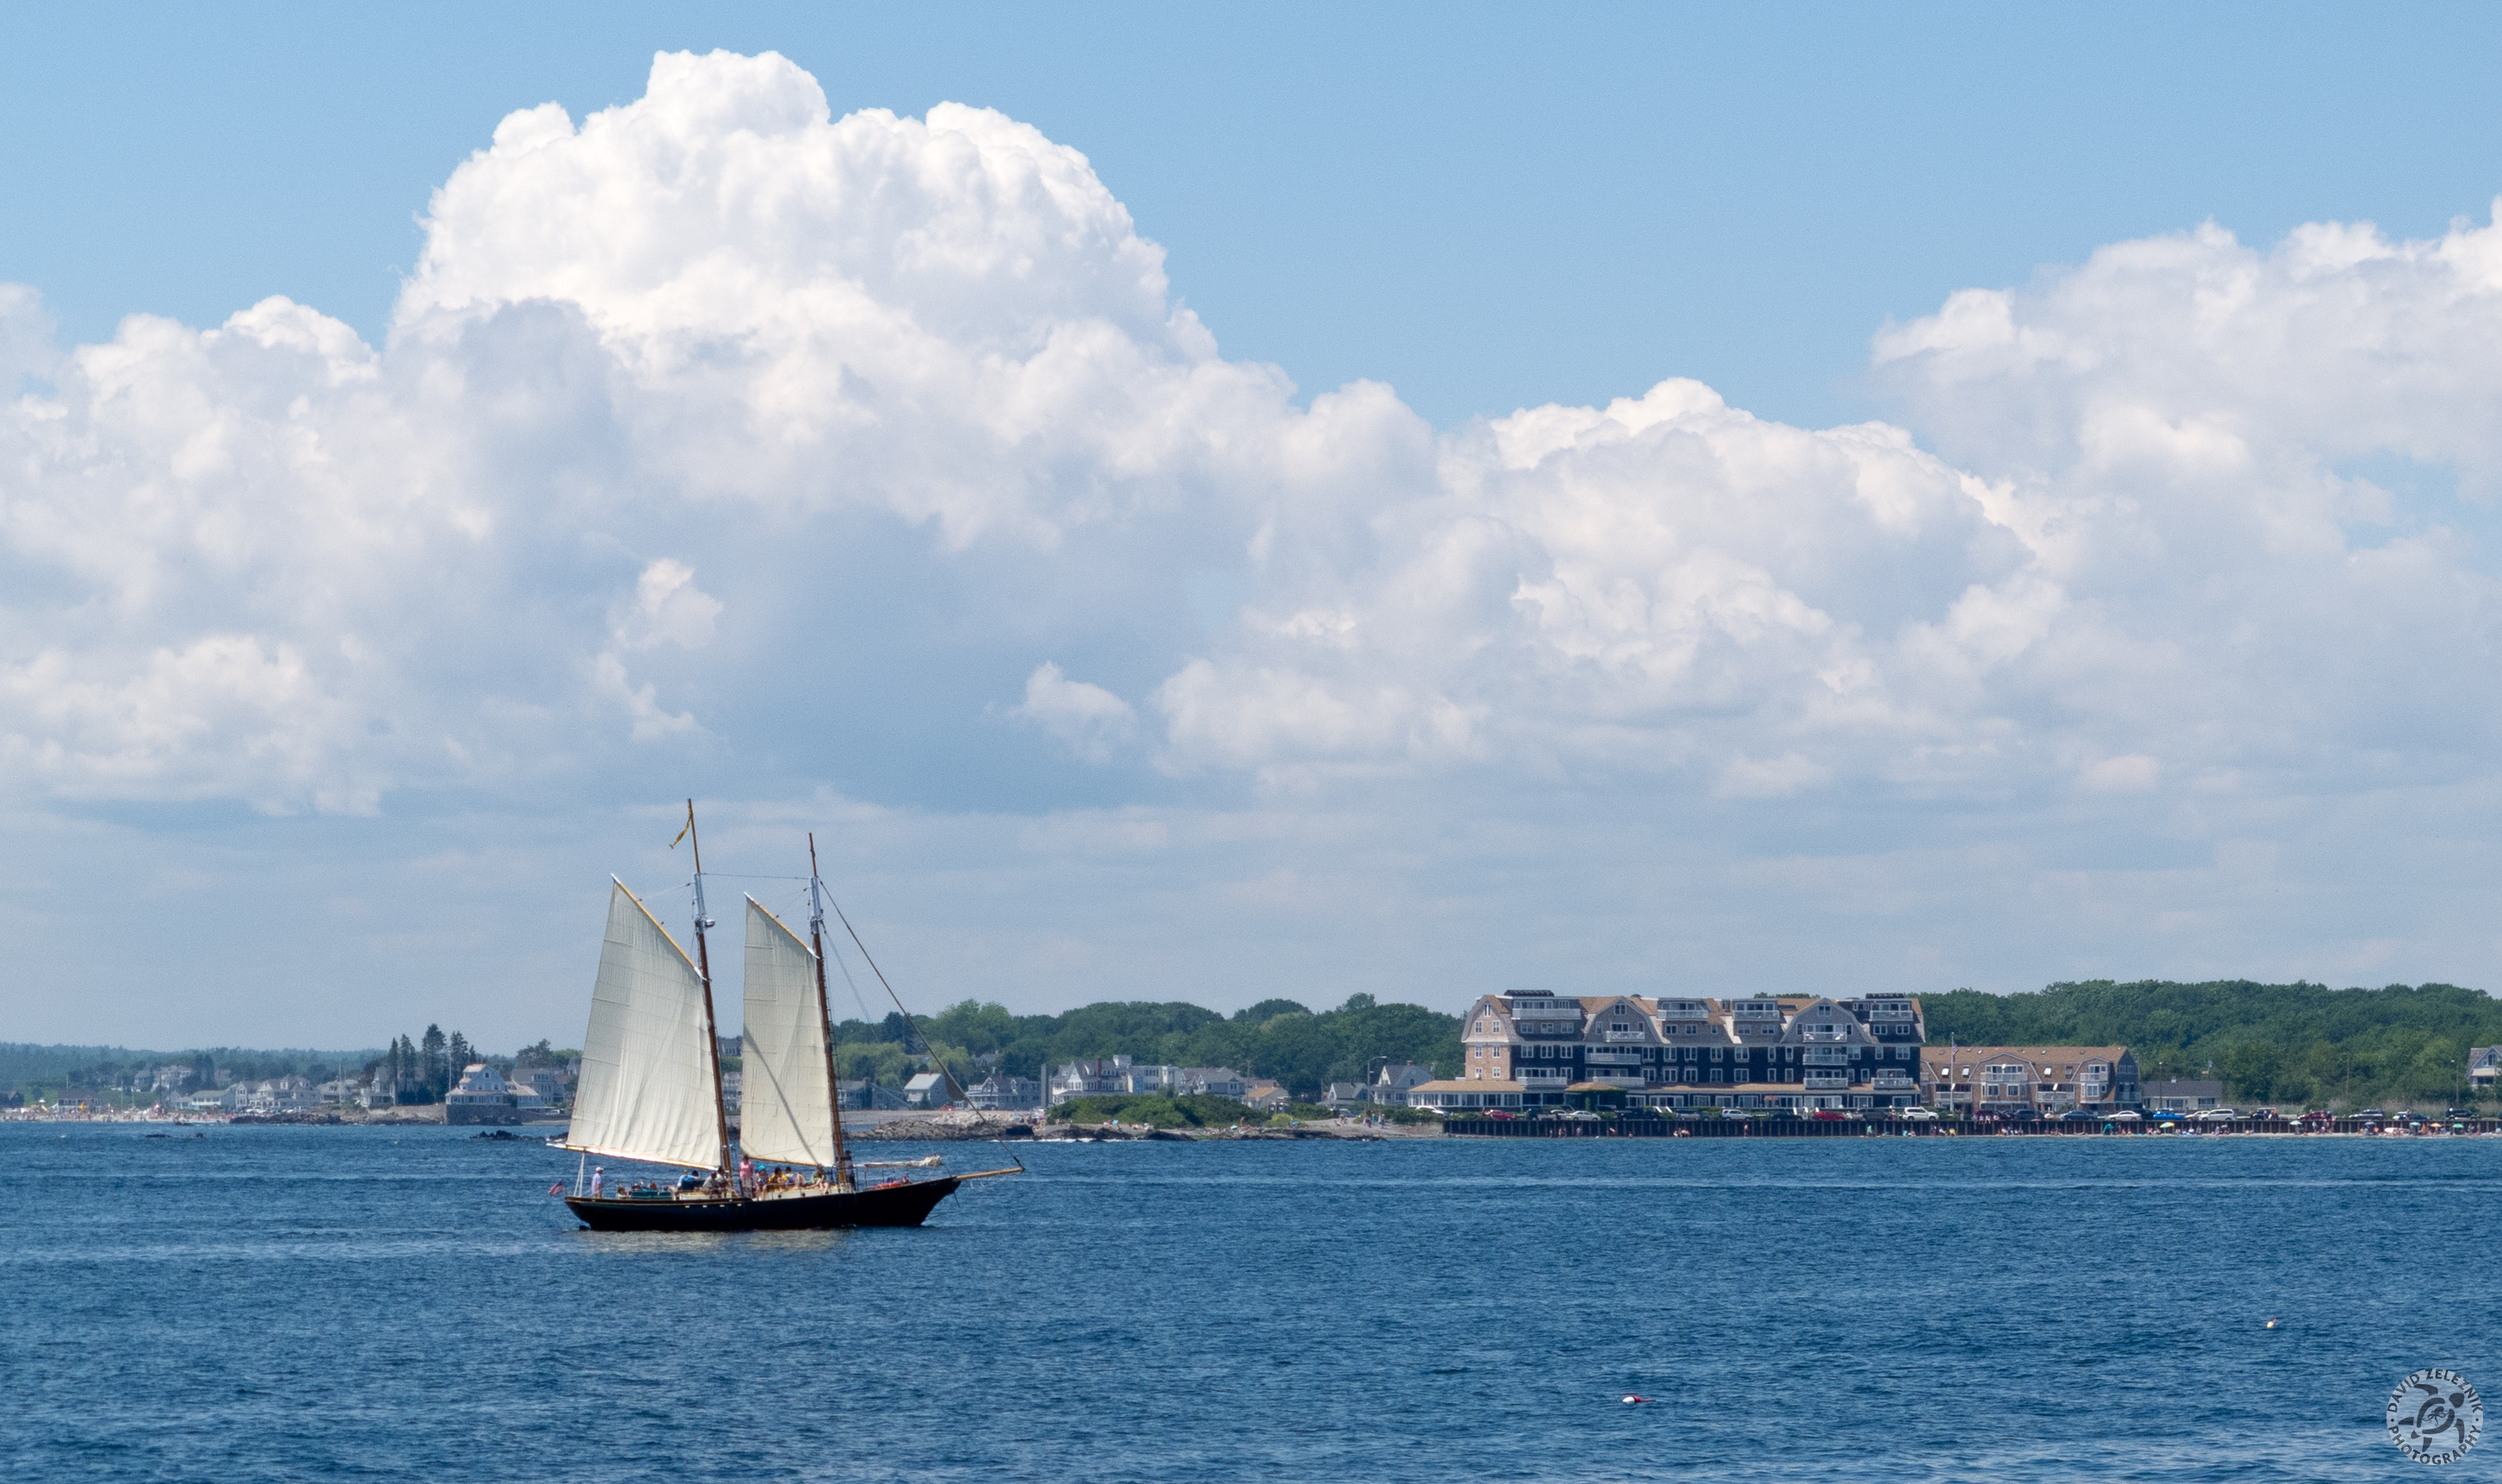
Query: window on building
x=1715 y=1055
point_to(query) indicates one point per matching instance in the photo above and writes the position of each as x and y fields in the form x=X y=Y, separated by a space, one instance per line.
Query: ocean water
x=277 y=1303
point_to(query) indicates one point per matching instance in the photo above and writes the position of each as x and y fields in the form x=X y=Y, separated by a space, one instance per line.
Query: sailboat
x=650 y=1086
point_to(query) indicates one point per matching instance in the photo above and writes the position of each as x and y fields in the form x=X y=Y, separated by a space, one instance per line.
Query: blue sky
x=1483 y=206
x=884 y=480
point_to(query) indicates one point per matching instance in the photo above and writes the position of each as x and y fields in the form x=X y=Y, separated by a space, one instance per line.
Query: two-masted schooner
x=650 y=1088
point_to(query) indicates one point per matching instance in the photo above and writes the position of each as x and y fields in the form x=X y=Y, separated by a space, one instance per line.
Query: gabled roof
x=1822 y=1012
x=2063 y=1055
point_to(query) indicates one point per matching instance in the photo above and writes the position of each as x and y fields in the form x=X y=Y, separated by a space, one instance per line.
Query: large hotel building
x=1531 y=1049
x=1803 y=1052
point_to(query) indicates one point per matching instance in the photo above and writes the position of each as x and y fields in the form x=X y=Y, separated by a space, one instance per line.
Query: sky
x=1425 y=502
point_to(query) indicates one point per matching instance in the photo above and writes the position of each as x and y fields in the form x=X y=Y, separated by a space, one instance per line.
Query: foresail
x=785 y=1110
x=648 y=1088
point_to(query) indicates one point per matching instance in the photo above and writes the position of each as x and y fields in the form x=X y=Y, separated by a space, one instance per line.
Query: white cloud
x=716 y=318
x=1771 y=777
x=2128 y=773
x=947 y=318
x=2176 y=537
x=668 y=608
x=1086 y=719
x=641 y=703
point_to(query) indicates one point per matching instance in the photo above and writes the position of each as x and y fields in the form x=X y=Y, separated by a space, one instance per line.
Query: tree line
x=421 y=1069
x=2284 y=1043
x=124 y=1073
x=2268 y=1043
x=1302 y=1049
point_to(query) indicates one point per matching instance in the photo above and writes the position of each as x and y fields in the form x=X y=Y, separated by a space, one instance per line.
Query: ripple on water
x=312 y=1304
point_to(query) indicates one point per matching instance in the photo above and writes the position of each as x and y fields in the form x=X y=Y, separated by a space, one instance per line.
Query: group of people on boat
x=745 y=1183
x=781 y=1177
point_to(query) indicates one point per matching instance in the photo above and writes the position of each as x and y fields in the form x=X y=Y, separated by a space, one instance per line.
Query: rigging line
x=752 y=876
x=845 y=965
x=940 y=1067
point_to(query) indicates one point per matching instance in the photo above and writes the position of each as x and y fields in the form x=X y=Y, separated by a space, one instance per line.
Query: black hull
x=890 y=1205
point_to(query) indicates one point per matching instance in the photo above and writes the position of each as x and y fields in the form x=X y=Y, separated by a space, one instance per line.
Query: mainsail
x=786 y=1112
x=650 y=1087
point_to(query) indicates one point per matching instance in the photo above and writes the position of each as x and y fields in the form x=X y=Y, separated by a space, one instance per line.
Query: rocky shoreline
x=950 y=1127
x=961 y=1126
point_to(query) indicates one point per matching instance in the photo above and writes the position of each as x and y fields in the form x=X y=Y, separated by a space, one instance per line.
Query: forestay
x=650 y=1087
x=785 y=1111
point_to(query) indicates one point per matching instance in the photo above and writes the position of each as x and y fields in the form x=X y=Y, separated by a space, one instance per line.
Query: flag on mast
x=690 y=824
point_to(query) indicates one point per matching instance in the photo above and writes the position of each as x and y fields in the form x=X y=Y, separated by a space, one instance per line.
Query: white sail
x=650 y=1087
x=786 y=1109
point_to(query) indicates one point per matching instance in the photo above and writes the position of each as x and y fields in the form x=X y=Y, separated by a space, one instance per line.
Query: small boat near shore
x=651 y=1086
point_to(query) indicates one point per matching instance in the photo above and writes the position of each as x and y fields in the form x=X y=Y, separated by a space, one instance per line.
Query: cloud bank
x=690 y=399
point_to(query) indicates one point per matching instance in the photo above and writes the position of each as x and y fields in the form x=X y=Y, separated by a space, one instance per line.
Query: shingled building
x=1533 y=1048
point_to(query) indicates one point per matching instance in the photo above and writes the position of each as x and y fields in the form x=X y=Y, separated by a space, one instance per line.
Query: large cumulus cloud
x=2181 y=518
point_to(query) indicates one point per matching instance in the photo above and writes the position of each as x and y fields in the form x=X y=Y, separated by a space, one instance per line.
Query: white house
x=1397 y=1080
x=999 y=1090
x=1093 y=1077
x=549 y=1082
x=926 y=1090
x=1150 y=1077
x=1211 y=1081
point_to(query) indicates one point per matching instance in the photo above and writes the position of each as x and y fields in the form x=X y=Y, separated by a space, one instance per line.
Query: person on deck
x=598 y=1177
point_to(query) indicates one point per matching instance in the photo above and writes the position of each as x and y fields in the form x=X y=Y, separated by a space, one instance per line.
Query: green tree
x=2269 y=1042
x=430 y=1073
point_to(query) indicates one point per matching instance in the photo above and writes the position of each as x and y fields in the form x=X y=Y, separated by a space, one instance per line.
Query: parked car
x=2220 y=1115
x=2169 y=1115
x=1921 y=1115
x=1830 y=1114
x=2124 y=1116
x=2077 y=1116
x=2373 y=1113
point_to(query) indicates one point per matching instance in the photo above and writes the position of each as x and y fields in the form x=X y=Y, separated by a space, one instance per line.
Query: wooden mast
x=826 y=1014
x=703 y=967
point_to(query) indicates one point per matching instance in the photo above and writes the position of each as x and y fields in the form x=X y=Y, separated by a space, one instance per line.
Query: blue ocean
x=319 y=1304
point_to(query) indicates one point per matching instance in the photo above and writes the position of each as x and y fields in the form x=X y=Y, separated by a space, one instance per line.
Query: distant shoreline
x=959 y=1126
